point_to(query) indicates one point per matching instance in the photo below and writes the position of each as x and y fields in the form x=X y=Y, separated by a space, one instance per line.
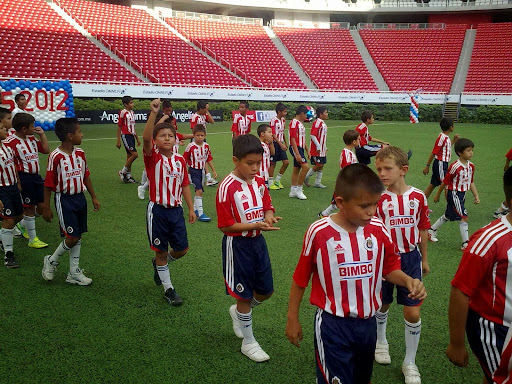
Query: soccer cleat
x=464 y=245
x=130 y=180
x=321 y=215
x=78 y=278
x=237 y=328
x=156 y=276
x=122 y=176
x=48 y=268
x=16 y=232
x=23 y=231
x=306 y=182
x=36 y=243
x=382 y=353
x=274 y=186
x=319 y=185
x=197 y=213
x=203 y=218
x=9 y=261
x=211 y=182
x=409 y=154
x=281 y=186
x=141 y=192
x=500 y=214
x=300 y=195
x=254 y=352
x=432 y=235
x=173 y=298
x=411 y=374
x=293 y=193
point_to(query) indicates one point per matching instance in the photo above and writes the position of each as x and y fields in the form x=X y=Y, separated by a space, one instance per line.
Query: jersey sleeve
x=225 y=216
x=87 y=173
x=186 y=180
x=473 y=172
x=438 y=146
x=249 y=127
x=234 y=126
x=39 y=145
x=50 y=180
x=509 y=155
x=193 y=121
x=209 y=156
x=294 y=132
x=343 y=160
x=267 y=200
x=424 y=222
x=121 y=123
x=305 y=266
x=273 y=123
x=314 y=130
x=391 y=260
x=452 y=171
x=187 y=153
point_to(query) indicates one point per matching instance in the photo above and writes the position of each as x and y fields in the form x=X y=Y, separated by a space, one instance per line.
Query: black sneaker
x=9 y=261
x=130 y=180
x=156 y=278
x=173 y=298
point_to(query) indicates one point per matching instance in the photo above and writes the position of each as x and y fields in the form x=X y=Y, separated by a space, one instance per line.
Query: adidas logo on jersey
x=244 y=197
x=339 y=248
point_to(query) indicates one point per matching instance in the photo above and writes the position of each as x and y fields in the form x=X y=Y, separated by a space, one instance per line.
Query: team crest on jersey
x=240 y=288
x=156 y=241
x=261 y=190
x=7 y=212
x=335 y=380
x=413 y=204
x=368 y=244
x=70 y=229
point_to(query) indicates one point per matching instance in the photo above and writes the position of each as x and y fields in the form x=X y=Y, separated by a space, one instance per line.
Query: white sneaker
x=411 y=374
x=293 y=193
x=236 y=323
x=300 y=195
x=211 y=182
x=78 y=278
x=254 y=352
x=319 y=185
x=464 y=245
x=382 y=354
x=141 y=192
x=432 y=235
x=48 y=268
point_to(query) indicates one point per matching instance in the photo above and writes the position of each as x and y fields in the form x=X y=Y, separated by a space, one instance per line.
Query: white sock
x=254 y=302
x=310 y=173
x=143 y=178
x=124 y=170
x=30 y=225
x=270 y=180
x=6 y=235
x=278 y=177
x=198 y=204
x=382 y=322
x=293 y=188
x=439 y=223
x=165 y=276
x=464 y=231
x=22 y=223
x=502 y=208
x=319 y=175
x=74 y=257
x=245 y=320
x=146 y=184
x=412 y=339
x=329 y=210
x=61 y=249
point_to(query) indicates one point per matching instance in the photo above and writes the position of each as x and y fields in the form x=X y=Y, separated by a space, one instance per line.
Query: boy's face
x=199 y=137
x=371 y=120
x=357 y=141
x=165 y=139
x=451 y=128
x=467 y=154
x=242 y=109
x=167 y=111
x=201 y=111
x=7 y=121
x=324 y=116
x=248 y=167
x=22 y=102
x=389 y=172
x=76 y=137
x=302 y=117
x=3 y=132
x=359 y=210
x=267 y=135
x=129 y=106
x=282 y=114
x=30 y=130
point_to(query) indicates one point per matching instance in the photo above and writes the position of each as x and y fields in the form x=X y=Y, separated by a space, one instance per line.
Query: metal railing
x=401 y=26
x=309 y=25
x=220 y=18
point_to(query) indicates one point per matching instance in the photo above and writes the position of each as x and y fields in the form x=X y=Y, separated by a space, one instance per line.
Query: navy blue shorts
x=344 y=348
x=301 y=153
x=364 y=154
x=455 y=209
x=32 y=188
x=72 y=213
x=129 y=143
x=486 y=340
x=197 y=178
x=11 y=198
x=318 y=160
x=246 y=266
x=166 y=227
x=411 y=266
x=279 y=154
x=439 y=169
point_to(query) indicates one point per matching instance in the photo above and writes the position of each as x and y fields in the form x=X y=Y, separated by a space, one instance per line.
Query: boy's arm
x=475 y=193
x=439 y=191
x=209 y=118
x=242 y=227
x=423 y=250
x=187 y=196
x=90 y=189
x=47 y=212
x=415 y=286
x=270 y=219
x=457 y=317
x=271 y=148
x=147 y=134
x=118 y=144
x=45 y=147
x=316 y=142
x=210 y=163
x=137 y=138
x=429 y=161
x=507 y=165
x=293 y=327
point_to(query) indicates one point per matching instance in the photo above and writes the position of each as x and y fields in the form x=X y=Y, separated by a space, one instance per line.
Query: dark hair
x=355 y=177
x=446 y=123
x=349 y=136
x=245 y=103
x=4 y=112
x=280 y=107
x=461 y=145
x=199 y=128
x=244 y=145
x=161 y=126
x=126 y=99
x=301 y=109
x=366 y=115
x=262 y=128
x=201 y=104
x=320 y=110
x=22 y=120
x=65 y=125
x=18 y=97
x=507 y=185
x=395 y=153
x=166 y=104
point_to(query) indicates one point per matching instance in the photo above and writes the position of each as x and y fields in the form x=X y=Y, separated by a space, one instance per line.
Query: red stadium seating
x=137 y=35
x=332 y=62
x=416 y=58
x=491 y=61
x=37 y=43
x=248 y=47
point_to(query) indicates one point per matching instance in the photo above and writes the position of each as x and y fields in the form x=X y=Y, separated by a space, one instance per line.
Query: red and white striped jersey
x=197 y=156
x=66 y=173
x=8 y=174
x=404 y=216
x=126 y=122
x=11 y=131
x=347 y=157
x=347 y=268
x=319 y=130
x=176 y=147
x=197 y=119
x=485 y=272
x=26 y=152
x=364 y=134
x=241 y=202
x=503 y=375
x=265 y=162
x=297 y=131
x=277 y=126
x=459 y=176
x=443 y=148
x=241 y=124
x=167 y=176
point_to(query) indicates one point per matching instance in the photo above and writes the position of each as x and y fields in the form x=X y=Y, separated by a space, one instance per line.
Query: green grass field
x=120 y=329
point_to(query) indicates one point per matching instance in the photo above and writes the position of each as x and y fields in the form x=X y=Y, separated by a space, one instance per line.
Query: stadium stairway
x=290 y=59
x=461 y=73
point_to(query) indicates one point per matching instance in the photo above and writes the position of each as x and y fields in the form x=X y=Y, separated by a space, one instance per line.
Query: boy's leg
x=428 y=191
x=295 y=181
x=319 y=174
x=6 y=236
x=382 y=347
x=303 y=171
x=464 y=232
x=412 y=333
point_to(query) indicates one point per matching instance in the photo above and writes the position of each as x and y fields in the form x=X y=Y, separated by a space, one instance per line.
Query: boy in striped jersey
x=365 y=151
x=458 y=180
x=480 y=298
x=299 y=150
x=204 y=117
x=404 y=211
x=347 y=254
x=244 y=210
x=68 y=176
x=126 y=133
x=318 y=149
x=6 y=121
x=265 y=135
x=280 y=147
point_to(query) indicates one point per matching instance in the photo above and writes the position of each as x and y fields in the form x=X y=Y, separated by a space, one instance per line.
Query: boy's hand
x=96 y=204
x=138 y=142
x=155 y=105
x=425 y=268
x=283 y=147
x=118 y=145
x=1 y=206
x=47 y=214
x=436 y=198
x=456 y=137
x=426 y=170
x=416 y=289
x=477 y=200
x=271 y=219
x=191 y=216
x=264 y=226
x=39 y=131
x=293 y=332
x=214 y=174
x=457 y=355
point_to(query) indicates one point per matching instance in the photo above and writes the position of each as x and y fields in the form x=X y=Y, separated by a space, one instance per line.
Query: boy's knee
x=412 y=314
x=134 y=155
x=72 y=241
x=178 y=254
